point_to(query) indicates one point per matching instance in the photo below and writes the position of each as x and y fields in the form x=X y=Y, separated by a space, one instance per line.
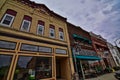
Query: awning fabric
x=88 y=57
x=82 y=38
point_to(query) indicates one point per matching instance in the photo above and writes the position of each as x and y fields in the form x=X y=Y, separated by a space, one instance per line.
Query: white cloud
x=91 y=15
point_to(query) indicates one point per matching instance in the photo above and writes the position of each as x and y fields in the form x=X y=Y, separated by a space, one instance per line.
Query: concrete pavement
x=109 y=76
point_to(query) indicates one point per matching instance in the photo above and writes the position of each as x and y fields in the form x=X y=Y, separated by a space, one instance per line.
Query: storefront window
x=45 y=49
x=33 y=68
x=28 y=47
x=5 y=61
x=7 y=45
x=61 y=51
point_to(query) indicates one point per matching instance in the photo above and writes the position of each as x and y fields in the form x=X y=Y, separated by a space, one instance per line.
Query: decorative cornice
x=33 y=5
x=97 y=36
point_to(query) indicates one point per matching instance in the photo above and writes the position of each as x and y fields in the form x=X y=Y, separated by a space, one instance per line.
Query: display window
x=33 y=68
x=5 y=61
x=7 y=45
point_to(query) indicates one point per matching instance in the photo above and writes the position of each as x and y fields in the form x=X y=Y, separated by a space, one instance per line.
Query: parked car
x=117 y=74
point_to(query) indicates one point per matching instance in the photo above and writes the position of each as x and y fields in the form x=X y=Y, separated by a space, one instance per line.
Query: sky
x=99 y=16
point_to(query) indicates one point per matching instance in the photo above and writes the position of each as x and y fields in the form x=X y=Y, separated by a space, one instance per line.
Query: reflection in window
x=61 y=34
x=5 y=61
x=28 y=47
x=40 y=29
x=26 y=23
x=33 y=68
x=7 y=45
x=8 y=18
x=52 y=31
x=61 y=51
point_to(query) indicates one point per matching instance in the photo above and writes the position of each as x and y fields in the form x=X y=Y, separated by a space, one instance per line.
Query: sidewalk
x=109 y=76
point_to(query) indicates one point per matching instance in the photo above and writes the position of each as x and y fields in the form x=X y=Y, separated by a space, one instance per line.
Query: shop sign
x=61 y=51
x=7 y=45
x=84 y=52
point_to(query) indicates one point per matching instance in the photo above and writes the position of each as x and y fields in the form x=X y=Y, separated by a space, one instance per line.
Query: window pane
x=43 y=68
x=7 y=20
x=61 y=35
x=40 y=29
x=7 y=45
x=27 y=47
x=25 y=25
x=45 y=49
x=5 y=61
x=61 y=51
x=33 y=68
x=52 y=33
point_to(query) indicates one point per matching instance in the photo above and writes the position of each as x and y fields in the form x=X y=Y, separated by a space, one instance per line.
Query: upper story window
x=61 y=34
x=26 y=23
x=8 y=18
x=52 y=31
x=40 y=28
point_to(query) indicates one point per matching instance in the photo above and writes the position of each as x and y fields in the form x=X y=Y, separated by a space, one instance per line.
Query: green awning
x=77 y=37
x=88 y=57
x=82 y=38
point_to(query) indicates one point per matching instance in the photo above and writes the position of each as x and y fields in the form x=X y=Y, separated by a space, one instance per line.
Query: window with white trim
x=52 y=31
x=61 y=34
x=26 y=23
x=8 y=18
x=40 y=29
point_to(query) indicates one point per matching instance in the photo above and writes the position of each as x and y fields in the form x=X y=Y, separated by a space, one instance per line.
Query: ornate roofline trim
x=32 y=4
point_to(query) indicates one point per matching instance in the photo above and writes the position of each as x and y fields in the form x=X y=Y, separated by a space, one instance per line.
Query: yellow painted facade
x=14 y=34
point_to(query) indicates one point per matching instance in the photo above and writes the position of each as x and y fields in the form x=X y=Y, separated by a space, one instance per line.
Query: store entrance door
x=106 y=62
x=61 y=68
x=58 y=68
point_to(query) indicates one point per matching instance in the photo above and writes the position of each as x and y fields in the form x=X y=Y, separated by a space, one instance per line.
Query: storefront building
x=34 y=42
x=83 y=52
x=115 y=54
x=100 y=46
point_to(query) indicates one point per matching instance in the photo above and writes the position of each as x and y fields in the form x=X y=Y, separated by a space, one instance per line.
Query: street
x=109 y=76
